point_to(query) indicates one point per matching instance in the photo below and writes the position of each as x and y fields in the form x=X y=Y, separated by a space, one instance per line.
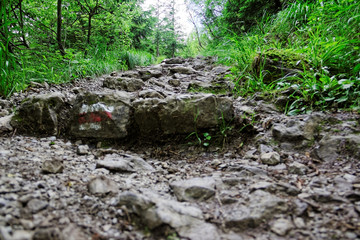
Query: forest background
x=59 y=41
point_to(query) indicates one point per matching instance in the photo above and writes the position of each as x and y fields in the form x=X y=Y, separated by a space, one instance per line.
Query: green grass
x=46 y=66
x=325 y=33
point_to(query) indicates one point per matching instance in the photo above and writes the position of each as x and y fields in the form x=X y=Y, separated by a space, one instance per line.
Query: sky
x=181 y=15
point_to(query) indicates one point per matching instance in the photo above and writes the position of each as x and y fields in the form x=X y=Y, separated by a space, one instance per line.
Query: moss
x=274 y=64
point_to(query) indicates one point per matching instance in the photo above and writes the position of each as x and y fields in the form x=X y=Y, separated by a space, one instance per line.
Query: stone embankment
x=110 y=158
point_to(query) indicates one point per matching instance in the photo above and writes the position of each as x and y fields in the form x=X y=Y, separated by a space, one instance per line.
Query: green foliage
x=29 y=47
x=325 y=33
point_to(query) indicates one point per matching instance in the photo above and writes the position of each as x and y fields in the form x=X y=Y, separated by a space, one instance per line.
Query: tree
x=58 y=32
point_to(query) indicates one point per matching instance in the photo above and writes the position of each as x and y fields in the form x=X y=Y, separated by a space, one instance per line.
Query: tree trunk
x=89 y=28
x=58 y=33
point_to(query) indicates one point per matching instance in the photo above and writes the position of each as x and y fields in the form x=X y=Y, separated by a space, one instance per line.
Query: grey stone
x=174 y=82
x=123 y=83
x=102 y=185
x=265 y=149
x=12 y=234
x=39 y=114
x=297 y=168
x=281 y=226
x=150 y=94
x=195 y=189
x=262 y=206
x=332 y=147
x=182 y=70
x=271 y=158
x=48 y=234
x=52 y=166
x=296 y=131
x=82 y=150
x=154 y=212
x=36 y=205
x=72 y=232
x=147 y=74
x=5 y=126
x=101 y=115
x=124 y=163
x=181 y=114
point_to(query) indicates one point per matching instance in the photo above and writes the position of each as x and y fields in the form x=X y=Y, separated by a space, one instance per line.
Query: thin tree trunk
x=196 y=29
x=58 y=33
x=22 y=25
x=89 y=29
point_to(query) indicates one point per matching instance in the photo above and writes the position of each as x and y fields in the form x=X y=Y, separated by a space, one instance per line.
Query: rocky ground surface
x=165 y=152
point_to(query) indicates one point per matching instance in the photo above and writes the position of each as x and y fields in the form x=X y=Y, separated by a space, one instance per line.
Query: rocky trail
x=166 y=152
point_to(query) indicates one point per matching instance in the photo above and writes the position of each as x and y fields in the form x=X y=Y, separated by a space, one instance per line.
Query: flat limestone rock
x=196 y=189
x=181 y=114
x=154 y=211
x=124 y=163
x=102 y=185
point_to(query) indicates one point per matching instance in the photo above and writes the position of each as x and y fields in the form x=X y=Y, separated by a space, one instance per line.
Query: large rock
x=101 y=115
x=39 y=114
x=331 y=147
x=154 y=212
x=296 y=131
x=276 y=63
x=181 y=114
x=262 y=207
x=195 y=189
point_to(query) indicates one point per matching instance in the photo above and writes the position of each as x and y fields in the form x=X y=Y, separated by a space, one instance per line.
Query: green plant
x=225 y=128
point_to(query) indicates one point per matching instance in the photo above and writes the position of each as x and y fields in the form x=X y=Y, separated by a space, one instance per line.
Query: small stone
x=174 y=82
x=299 y=222
x=52 y=166
x=102 y=185
x=196 y=189
x=82 y=150
x=271 y=158
x=282 y=226
x=72 y=232
x=36 y=205
x=124 y=163
x=265 y=149
x=47 y=234
x=215 y=163
x=297 y=168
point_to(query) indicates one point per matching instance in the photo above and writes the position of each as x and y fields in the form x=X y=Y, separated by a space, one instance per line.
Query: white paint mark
x=97 y=107
x=88 y=126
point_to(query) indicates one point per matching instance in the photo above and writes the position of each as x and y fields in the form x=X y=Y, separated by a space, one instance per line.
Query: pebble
x=270 y=158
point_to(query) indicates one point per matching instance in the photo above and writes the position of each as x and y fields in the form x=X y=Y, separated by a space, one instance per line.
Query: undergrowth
x=46 y=66
x=326 y=33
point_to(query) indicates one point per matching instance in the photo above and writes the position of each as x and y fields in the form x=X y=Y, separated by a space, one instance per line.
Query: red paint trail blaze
x=94 y=117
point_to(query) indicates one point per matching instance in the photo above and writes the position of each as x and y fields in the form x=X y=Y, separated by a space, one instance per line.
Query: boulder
x=181 y=114
x=39 y=114
x=105 y=115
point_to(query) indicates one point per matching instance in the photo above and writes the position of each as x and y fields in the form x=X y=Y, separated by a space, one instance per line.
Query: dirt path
x=173 y=173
